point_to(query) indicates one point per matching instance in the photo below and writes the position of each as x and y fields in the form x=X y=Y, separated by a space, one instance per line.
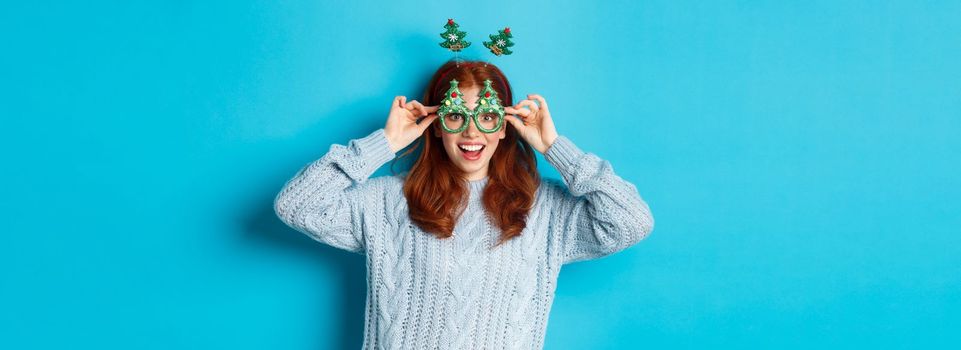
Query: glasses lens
x=454 y=121
x=487 y=121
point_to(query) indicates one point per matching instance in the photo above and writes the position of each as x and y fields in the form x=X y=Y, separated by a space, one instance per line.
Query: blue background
x=801 y=160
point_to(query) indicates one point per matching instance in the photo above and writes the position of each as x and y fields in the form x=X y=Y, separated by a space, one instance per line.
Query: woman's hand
x=535 y=124
x=402 y=127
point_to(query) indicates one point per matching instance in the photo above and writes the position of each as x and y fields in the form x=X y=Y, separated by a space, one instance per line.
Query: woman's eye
x=488 y=118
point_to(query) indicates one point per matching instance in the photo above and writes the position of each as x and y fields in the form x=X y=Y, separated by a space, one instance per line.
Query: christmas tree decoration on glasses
x=454 y=115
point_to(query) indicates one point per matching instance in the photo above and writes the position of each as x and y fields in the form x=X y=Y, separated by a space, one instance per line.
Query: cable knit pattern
x=461 y=293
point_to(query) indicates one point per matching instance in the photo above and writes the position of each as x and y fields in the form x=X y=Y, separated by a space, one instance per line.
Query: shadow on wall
x=264 y=229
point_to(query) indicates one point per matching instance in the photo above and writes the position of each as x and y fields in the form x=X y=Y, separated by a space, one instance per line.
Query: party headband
x=489 y=104
x=443 y=74
x=454 y=40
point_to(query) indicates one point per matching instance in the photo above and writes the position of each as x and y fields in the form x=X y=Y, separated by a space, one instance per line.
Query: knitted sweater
x=459 y=293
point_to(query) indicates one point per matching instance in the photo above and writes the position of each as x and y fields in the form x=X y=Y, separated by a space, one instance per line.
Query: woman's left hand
x=534 y=124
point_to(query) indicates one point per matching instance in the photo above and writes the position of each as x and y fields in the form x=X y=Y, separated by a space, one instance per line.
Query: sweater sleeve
x=326 y=197
x=601 y=214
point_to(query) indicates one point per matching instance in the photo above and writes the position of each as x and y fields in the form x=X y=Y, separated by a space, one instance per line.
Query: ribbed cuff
x=563 y=154
x=374 y=150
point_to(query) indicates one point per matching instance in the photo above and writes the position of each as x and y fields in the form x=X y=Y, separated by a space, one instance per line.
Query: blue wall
x=801 y=160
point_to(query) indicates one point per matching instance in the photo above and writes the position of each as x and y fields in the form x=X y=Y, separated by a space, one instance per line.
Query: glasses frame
x=487 y=103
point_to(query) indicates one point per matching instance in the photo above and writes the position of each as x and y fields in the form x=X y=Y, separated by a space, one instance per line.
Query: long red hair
x=436 y=189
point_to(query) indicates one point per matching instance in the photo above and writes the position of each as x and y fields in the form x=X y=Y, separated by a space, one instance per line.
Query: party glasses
x=454 y=116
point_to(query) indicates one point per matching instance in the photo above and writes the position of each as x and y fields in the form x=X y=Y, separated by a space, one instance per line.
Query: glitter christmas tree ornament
x=453 y=38
x=452 y=110
x=489 y=114
x=500 y=42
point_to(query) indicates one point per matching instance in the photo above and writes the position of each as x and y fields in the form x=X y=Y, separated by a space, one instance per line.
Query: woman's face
x=459 y=145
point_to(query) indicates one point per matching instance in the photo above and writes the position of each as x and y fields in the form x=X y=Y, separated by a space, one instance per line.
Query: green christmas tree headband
x=488 y=116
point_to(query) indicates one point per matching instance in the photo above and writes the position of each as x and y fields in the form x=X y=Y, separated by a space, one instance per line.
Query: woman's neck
x=478 y=179
x=477 y=185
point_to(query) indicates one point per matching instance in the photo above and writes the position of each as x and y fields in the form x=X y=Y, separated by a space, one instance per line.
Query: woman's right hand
x=402 y=127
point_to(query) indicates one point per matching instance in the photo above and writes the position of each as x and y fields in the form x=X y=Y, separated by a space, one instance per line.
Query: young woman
x=463 y=250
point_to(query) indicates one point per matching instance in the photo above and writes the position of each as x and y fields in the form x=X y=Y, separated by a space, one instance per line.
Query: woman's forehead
x=470 y=95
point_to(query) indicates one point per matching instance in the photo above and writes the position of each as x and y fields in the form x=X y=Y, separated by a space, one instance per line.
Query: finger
x=540 y=99
x=431 y=109
x=418 y=106
x=529 y=104
x=397 y=102
x=424 y=123
x=403 y=102
x=523 y=112
x=517 y=123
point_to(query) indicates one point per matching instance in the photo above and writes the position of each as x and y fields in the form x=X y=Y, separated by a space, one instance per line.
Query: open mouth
x=471 y=151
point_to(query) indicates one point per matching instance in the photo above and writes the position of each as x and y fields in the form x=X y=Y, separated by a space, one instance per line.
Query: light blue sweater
x=458 y=293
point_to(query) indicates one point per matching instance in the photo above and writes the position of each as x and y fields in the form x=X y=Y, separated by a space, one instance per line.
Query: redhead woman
x=463 y=250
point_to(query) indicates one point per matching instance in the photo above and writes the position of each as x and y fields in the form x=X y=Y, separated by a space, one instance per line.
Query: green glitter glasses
x=454 y=116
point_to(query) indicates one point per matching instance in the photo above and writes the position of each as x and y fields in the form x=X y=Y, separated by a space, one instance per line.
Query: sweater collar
x=477 y=186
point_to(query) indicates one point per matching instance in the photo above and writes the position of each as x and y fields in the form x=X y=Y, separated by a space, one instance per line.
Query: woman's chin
x=467 y=165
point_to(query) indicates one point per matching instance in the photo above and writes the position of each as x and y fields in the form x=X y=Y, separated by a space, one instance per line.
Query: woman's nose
x=471 y=130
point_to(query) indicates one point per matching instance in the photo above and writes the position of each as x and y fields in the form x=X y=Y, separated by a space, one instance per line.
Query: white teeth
x=471 y=148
